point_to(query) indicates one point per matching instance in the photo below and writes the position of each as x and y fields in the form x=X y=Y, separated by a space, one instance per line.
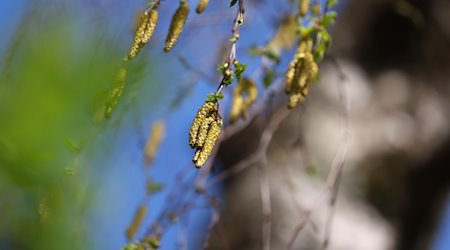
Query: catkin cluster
x=204 y=132
x=301 y=73
x=144 y=31
x=244 y=96
x=176 y=25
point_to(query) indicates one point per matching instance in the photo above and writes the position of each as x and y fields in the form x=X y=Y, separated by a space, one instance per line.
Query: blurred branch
x=339 y=160
x=334 y=174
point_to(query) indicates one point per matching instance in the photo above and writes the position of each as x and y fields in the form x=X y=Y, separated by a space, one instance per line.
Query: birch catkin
x=154 y=140
x=176 y=25
x=138 y=218
x=144 y=32
x=204 y=132
x=116 y=93
x=202 y=6
x=211 y=138
x=304 y=7
x=301 y=73
x=199 y=119
x=244 y=96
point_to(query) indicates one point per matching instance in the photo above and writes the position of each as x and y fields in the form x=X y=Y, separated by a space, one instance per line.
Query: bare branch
x=338 y=162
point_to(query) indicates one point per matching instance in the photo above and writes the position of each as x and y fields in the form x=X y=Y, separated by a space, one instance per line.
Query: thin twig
x=236 y=35
x=182 y=237
x=264 y=181
x=331 y=212
x=185 y=63
x=306 y=218
x=338 y=161
x=215 y=217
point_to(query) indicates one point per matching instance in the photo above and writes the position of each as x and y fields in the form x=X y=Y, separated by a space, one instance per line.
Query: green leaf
x=213 y=97
x=72 y=146
x=329 y=18
x=331 y=3
x=255 y=51
x=239 y=69
x=306 y=31
x=232 y=3
x=325 y=35
x=222 y=67
x=268 y=77
x=228 y=79
x=130 y=246
x=272 y=56
x=219 y=96
x=154 y=187
x=320 y=52
x=311 y=171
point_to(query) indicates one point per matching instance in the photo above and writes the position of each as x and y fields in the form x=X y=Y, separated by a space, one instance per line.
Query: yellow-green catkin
x=154 y=140
x=302 y=71
x=43 y=210
x=176 y=25
x=144 y=31
x=202 y=6
x=115 y=93
x=211 y=138
x=304 y=7
x=285 y=37
x=204 y=132
x=138 y=218
x=236 y=108
x=244 y=95
x=206 y=109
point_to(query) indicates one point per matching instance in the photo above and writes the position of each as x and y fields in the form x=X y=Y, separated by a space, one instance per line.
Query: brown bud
x=176 y=25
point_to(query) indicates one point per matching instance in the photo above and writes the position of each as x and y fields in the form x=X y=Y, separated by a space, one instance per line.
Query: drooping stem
x=238 y=21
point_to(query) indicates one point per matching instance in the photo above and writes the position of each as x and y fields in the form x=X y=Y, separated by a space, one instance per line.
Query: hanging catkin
x=204 y=132
x=144 y=31
x=244 y=96
x=302 y=71
x=176 y=25
x=202 y=6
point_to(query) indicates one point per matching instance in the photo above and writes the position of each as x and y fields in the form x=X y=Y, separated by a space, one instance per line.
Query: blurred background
x=71 y=179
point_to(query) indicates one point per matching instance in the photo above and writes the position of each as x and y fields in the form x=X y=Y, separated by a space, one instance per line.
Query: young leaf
x=329 y=18
x=272 y=56
x=232 y=3
x=268 y=78
x=240 y=68
x=331 y=3
x=212 y=97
